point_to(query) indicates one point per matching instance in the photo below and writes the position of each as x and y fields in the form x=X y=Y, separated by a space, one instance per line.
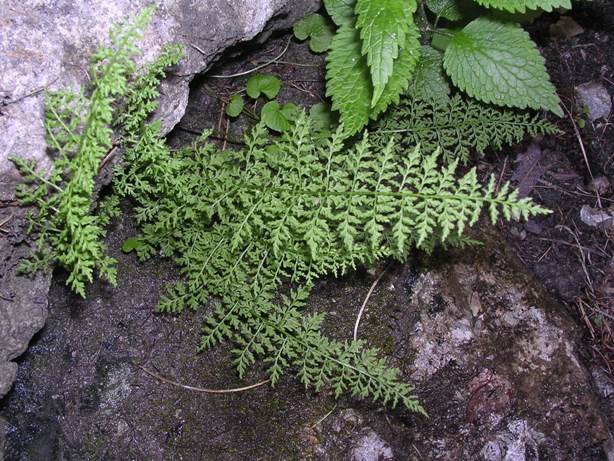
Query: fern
x=458 y=127
x=78 y=131
x=242 y=223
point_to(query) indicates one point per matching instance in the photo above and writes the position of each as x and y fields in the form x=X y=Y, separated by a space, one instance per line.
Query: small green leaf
x=266 y=84
x=341 y=11
x=320 y=116
x=317 y=29
x=131 y=244
x=522 y=5
x=278 y=118
x=234 y=106
x=498 y=63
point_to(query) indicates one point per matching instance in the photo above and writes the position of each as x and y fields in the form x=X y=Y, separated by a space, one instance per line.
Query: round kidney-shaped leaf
x=234 y=106
x=266 y=84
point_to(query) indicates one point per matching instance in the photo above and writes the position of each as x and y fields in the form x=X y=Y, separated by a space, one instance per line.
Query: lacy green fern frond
x=142 y=94
x=78 y=130
x=241 y=223
x=459 y=127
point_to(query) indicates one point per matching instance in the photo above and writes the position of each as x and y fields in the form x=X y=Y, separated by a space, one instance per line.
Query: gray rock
x=509 y=379
x=371 y=447
x=3 y=427
x=47 y=45
x=23 y=300
x=595 y=97
x=602 y=218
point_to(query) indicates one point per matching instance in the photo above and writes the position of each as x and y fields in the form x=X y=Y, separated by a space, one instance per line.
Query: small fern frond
x=458 y=127
x=79 y=131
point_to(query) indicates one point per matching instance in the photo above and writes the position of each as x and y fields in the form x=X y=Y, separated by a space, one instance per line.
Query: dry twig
x=202 y=389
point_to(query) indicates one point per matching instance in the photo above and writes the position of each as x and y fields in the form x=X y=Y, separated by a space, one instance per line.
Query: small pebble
x=595 y=97
x=566 y=27
x=520 y=234
x=597 y=217
x=600 y=185
x=533 y=227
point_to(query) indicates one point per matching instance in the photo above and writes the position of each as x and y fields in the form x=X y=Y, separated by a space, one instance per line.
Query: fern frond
x=242 y=223
x=459 y=127
x=79 y=131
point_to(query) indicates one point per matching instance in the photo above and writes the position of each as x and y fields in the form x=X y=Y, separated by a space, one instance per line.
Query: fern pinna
x=290 y=210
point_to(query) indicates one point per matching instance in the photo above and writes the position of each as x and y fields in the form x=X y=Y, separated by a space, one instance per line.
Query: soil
x=83 y=391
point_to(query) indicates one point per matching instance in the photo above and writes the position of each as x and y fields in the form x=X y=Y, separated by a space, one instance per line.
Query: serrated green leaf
x=383 y=28
x=279 y=118
x=402 y=73
x=348 y=82
x=430 y=82
x=452 y=10
x=522 y=5
x=234 y=106
x=266 y=84
x=498 y=63
x=341 y=11
x=317 y=29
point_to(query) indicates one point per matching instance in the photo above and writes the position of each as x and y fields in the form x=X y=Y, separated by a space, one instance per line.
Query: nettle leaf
x=452 y=10
x=523 y=5
x=430 y=82
x=235 y=106
x=402 y=73
x=348 y=82
x=341 y=11
x=383 y=27
x=498 y=63
x=279 y=118
x=317 y=29
x=266 y=84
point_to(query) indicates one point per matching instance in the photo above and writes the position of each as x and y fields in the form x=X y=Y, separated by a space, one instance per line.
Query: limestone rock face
x=47 y=45
x=500 y=363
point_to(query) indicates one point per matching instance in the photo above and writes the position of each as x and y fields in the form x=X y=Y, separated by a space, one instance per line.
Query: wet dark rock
x=23 y=299
x=509 y=378
x=494 y=360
